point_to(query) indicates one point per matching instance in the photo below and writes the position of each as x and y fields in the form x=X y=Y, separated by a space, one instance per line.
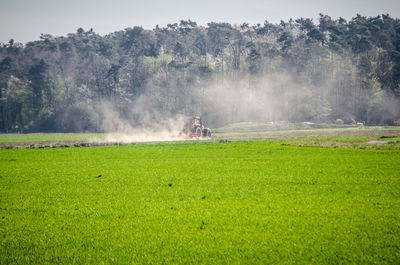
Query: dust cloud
x=144 y=124
x=280 y=95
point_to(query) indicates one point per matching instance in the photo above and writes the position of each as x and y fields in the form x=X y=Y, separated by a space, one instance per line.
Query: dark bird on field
x=170 y=184
x=99 y=176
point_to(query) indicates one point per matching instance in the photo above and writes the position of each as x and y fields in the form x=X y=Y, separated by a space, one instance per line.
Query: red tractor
x=194 y=127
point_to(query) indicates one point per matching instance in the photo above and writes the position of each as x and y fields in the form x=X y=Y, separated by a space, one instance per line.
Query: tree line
x=339 y=69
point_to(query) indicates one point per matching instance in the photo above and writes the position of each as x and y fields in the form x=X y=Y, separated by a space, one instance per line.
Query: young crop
x=212 y=203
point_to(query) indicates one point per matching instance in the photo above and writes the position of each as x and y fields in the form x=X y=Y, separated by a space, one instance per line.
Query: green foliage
x=349 y=66
x=210 y=203
x=79 y=117
x=305 y=112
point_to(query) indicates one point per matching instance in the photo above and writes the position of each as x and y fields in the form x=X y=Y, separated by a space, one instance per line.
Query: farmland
x=293 y=200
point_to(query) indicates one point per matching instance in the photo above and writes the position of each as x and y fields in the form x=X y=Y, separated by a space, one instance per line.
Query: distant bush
x=79 y=117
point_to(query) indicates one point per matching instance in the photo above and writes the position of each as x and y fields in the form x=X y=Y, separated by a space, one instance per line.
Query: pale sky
x=25 y=20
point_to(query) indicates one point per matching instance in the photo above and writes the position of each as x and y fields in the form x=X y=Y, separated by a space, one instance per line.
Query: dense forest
x=293 y=71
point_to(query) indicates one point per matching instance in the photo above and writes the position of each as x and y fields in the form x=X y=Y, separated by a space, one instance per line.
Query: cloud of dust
x=285 y=95
x=279 y=95
x=268 y=98
x=140 y=124
x=219 y=102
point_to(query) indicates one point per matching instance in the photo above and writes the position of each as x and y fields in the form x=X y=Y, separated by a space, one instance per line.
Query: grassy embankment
x=255 y=202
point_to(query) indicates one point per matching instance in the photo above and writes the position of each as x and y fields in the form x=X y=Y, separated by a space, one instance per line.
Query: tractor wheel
x=198 y=132
x=208 y=133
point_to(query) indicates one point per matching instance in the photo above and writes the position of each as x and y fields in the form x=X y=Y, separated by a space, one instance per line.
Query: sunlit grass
x=236 y=130
x=34 y=137
x=252 y=202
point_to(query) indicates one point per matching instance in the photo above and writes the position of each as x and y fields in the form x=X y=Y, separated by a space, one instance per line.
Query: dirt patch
x=377 y=142
x=53 y=144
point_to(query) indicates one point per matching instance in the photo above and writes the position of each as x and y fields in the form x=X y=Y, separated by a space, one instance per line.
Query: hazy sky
x=25 y=20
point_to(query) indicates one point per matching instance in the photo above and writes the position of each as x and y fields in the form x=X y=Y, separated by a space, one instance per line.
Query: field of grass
x=278 y=126
x=377 y=142
x=37 y=137
x=251 y=130
x=256 y=202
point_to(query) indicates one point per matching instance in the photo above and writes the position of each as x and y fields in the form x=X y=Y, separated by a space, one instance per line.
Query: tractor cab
x=193 y=121
x=193 y=127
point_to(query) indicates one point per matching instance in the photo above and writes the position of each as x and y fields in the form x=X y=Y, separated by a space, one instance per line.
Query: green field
x=255 y=202
x=37 y=137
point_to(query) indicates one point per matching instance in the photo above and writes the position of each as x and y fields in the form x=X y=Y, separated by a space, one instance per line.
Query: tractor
x=193 y=127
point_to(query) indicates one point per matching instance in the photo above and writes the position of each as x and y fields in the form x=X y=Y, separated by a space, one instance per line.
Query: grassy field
x=278 y=126
x=358 y=137
x=256 y=202
x=37 y=137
